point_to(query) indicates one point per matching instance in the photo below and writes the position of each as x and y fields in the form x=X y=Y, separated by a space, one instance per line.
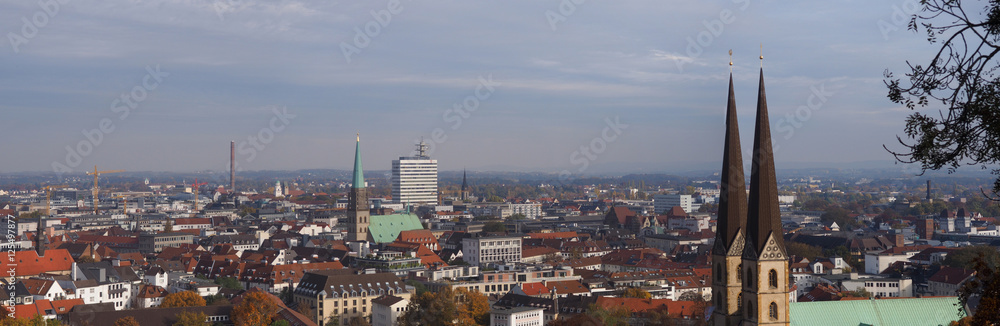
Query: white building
x=486 y=250
x=664 y=202
x=529 y=210
x=387 y=309
x=517 y=316
x=875 y=263
x=414 y=179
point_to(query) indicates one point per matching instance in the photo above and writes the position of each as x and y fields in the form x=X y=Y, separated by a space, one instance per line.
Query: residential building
x=343 y=294
x=486 y=250
x=517 y=316
x=948 y=280
x=156 y=242
x=387 y=309
x=415 y=179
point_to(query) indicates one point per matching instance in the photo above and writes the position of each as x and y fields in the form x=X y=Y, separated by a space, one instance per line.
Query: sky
x=584 y=86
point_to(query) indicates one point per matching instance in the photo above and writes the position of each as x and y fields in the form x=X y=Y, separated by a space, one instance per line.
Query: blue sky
x=559 y=71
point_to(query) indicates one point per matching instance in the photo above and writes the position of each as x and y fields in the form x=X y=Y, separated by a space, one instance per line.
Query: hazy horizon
x=644 y=82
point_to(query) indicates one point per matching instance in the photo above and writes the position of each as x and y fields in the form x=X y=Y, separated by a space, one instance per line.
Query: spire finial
x=762 y=55
x=359 y=136
x=730 y=60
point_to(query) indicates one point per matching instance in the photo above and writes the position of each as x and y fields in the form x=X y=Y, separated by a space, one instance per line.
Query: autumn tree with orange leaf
x=256 y=309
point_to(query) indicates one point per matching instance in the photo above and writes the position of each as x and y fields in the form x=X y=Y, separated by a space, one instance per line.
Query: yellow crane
x=196 y=186
x=96 y=189
x=48 y=197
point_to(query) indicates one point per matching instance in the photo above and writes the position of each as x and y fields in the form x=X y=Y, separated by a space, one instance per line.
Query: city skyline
x=544 y=79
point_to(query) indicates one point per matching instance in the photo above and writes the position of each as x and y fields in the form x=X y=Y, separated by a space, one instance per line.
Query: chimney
x=899 y=240
x=928 y=189
x=232 y=166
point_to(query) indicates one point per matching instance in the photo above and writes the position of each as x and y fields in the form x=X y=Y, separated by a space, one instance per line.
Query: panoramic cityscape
x=523 y=163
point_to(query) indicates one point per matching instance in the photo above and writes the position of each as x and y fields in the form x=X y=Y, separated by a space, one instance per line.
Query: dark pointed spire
x=732 y=189
x=40 y=237
x=464 y=183
x=763 y=215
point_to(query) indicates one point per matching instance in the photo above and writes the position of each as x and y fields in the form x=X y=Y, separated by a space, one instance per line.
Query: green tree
x=840 y=216
x=960 y=81
x=516 y=217
x=421 y=288
x=803 y=250
x=985 y=286
x=614 y=316
x=965 y=257
x=494 y=227
x=229 y=283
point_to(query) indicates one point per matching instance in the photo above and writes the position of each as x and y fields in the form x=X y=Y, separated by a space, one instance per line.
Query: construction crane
x=96 y=189
x=48 y=197
x=195 y=187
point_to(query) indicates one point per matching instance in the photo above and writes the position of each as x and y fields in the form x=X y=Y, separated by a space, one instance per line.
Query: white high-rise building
x=664 y=202
x=414 y=178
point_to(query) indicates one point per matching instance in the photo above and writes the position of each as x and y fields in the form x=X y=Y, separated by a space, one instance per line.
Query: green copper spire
x=359 y=176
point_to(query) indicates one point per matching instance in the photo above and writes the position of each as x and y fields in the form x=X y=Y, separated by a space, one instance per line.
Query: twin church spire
x=750 y=282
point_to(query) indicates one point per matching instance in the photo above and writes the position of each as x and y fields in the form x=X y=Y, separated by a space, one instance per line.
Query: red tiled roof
x=27 y=262
x=191 y=221
x=538 y=251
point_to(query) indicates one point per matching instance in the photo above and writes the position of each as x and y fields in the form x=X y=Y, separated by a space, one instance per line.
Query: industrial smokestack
x=232 y=166
x=928 y=190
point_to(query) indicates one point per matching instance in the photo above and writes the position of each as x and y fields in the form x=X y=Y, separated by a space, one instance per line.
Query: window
x=718 y=272
x=773 y=311
x=750 y=311
x=772 y=277
x=739 y=276
x=739 y=301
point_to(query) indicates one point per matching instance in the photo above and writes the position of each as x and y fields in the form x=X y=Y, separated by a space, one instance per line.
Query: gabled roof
x=27 y=262
x=385 y=228
x=37 y=286
x=951 y=275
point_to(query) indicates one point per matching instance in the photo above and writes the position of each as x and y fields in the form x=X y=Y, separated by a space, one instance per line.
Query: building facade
x=415 y=179
x=664 y=202
x=344 y=295
x=517 y=316
x=486 y=250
